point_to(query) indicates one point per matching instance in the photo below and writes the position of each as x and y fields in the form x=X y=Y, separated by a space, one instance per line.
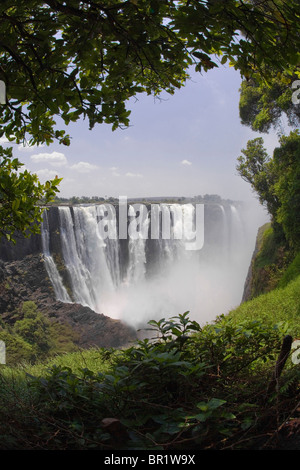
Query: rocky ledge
x=26 y=279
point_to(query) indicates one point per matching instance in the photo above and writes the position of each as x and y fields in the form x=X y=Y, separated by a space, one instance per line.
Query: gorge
x=139 y=278
x=151 y=272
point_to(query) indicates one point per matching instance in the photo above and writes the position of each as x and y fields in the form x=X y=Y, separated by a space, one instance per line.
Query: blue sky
x=182 y=145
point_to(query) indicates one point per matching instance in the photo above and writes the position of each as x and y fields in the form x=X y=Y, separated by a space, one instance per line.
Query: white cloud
x=186 y=162
x=83 y=167
x=46 y=174
x=134 y=175
x=54 y=158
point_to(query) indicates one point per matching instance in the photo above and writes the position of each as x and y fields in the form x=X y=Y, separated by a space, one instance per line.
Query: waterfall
x=55 y=278
x=137 y=245
x=166 y=244
x=84 y=255
x=151 y=273
x=177 y=229
x=107 y=225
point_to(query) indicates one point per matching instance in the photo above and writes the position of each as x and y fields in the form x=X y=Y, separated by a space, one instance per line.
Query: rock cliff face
x=31 y=245
x=247 y=294
x=23 y=277
x=270 y=258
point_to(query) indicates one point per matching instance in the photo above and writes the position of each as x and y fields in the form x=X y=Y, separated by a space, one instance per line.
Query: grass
x=280 y=305
x=205 y=389
x=94 y=359
x=291 y=273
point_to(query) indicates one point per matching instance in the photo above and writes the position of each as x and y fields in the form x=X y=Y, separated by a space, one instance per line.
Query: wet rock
x=26 y=279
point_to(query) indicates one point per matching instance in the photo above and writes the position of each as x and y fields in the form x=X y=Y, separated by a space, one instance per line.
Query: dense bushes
x=270 y=263
x=189 y=387
x=34 y=337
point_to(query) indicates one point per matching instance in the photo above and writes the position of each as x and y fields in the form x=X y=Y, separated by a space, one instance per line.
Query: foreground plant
x=21 y=197
x=188 y=387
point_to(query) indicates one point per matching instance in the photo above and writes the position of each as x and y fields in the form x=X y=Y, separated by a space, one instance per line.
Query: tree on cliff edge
x=73 y=59
x=276 y=181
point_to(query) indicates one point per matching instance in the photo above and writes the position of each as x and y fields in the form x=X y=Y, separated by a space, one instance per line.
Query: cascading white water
x=137 y=246
x=84 y=255
x=167 y=246
x=177 y=230
x=205 y=282
x=56 y=280
x=107 y=226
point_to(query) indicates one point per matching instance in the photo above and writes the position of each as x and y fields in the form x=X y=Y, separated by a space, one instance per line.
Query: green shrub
x=34 y=337
x=291 y=273
x=17 y=349
x=187 y=387
x=34 y=328
x=270 y=263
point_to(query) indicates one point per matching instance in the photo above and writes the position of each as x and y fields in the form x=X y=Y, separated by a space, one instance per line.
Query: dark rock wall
x=22 y=248
x=27 y=279
x=23 y=277
x=248 y=287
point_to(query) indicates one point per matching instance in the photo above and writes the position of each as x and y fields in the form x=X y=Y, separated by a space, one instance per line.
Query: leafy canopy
x=264 y=102
x=20 y=194
x=85 y=60
x=262 y=105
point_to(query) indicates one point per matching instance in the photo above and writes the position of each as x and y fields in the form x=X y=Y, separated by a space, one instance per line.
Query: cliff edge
x=26 y=279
